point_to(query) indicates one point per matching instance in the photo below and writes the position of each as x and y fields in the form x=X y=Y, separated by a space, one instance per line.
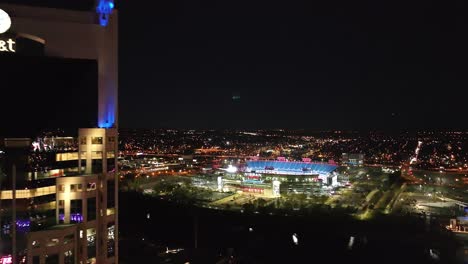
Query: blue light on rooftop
x=108 y=120
x=105 y=125
x=104 y=9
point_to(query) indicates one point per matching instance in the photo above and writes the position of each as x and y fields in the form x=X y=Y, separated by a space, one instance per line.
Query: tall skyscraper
x=69 y=217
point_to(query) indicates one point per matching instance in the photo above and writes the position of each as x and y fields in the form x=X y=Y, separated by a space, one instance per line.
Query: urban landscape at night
x=420 y=177
x=206 y=131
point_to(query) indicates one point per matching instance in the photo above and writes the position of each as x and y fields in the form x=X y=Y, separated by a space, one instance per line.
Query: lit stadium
x=322 y=170
x=293 y=176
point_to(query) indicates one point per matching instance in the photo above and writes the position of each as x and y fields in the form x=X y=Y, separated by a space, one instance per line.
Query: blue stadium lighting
x=285 y=167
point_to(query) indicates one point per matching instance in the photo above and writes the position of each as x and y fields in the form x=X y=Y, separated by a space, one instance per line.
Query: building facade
x=83 y=225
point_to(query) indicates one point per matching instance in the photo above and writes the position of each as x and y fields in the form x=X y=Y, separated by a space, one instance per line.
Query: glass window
x=76 y=211
x=96 y=154
x=80 y=187
x=61 y=203
x=110 y=154
x=68 y=257
x=91 y=209
x=61 y=188
x=91 y=242
x=111 y=139
x=96 y=166
x=96 y=140
x=110 y=161
x=110 y=194
x=73 y=188
x=83 y=163
x=61 y=215
x=52 y=259
x=110 y=239
x=83 y=140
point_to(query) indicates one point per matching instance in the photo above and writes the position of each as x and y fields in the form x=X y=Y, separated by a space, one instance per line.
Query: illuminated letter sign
x=6 y=45
x=5 y=21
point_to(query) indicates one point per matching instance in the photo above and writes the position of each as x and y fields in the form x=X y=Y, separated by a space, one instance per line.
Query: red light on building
x=252 y=190
x=6 y=260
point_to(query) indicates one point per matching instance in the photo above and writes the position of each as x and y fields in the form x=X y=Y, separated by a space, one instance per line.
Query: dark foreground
x=323 y=237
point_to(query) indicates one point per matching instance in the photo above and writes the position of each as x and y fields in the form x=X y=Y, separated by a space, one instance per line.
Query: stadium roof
x=285 y=167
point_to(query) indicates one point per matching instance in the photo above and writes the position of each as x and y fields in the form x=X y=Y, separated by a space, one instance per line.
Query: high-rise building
x=71 y=217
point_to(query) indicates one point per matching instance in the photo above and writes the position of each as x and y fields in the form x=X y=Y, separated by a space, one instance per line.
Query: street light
x=295 y=239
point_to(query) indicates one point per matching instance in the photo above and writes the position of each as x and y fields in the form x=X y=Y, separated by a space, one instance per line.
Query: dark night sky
x=294 y=64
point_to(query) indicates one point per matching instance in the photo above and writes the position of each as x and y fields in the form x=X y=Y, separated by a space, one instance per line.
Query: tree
x=164 y=187
x=288 y=204
x=261 y=202
x=248 y=207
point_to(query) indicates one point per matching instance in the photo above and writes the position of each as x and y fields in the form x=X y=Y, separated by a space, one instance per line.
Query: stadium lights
x=231 y=169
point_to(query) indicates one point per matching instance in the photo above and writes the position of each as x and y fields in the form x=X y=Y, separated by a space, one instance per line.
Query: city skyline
x=233 y=132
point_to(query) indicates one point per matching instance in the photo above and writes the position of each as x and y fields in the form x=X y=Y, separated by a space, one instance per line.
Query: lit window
x=96 y=154
x=52 y=242
x=96 y=140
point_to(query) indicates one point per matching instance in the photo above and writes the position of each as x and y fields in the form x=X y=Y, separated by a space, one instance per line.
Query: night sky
x=293 y=64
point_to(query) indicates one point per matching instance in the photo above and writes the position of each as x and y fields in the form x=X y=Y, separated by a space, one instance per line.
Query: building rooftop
x=81 y=5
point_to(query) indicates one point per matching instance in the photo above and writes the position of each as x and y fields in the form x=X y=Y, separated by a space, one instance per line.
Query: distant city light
x=231 y=169
x=6 y=259
x=295 y=239
x=351 y=242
